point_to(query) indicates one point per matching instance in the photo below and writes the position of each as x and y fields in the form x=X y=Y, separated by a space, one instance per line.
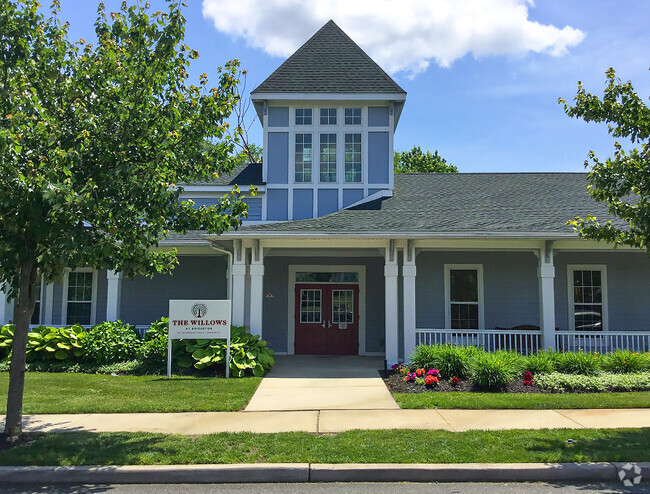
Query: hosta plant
x=45 y=343
x=247 y=353
x=6 y=337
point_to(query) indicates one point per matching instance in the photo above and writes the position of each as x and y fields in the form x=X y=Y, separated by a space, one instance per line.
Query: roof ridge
x=375 y=65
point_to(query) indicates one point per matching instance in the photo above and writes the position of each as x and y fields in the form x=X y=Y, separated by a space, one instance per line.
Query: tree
x=416 y=161
x=621 y=181
x=94 y=141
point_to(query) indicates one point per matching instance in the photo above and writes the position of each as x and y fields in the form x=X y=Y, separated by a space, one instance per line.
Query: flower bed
x=455 y=368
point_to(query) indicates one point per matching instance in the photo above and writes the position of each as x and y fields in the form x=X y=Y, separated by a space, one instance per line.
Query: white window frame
x=570 y=269
x=336 y=156
x=41 y=306
x=93 y=300
x=295 y=163
x=295 y=116
x=361 y=160
x=479 y=270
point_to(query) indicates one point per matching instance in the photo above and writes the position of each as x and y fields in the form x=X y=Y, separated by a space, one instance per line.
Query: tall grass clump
x=450 y=360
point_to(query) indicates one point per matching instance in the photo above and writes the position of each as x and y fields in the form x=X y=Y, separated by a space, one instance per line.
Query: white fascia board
x=220 y=188
x=399 y=235
x=330 y=96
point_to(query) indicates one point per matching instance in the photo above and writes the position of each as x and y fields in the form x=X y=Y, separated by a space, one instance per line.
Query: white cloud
x=401 y=35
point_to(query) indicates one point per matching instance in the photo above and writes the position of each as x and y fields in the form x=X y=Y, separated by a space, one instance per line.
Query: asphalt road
x=348 y=488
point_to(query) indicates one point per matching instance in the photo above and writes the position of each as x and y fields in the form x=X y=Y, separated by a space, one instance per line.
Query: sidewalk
x=334 y=421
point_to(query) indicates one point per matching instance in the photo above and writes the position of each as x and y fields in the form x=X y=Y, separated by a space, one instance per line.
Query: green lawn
x=398 y=446
x=639 y=399
x=95 y=393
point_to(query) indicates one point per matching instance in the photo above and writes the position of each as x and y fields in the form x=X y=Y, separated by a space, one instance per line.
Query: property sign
x=199 y=319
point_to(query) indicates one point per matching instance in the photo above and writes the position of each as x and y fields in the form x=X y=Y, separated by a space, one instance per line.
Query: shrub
x=605 y=381
x=493 y=370
x=110 y=342
x=153 y=350
x=45 y=343
x=622 y=361
x=585 y=363
x=541 y=362
x=450 y=360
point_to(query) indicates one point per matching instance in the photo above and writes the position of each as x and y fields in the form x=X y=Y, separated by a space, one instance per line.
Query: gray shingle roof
x=246 y=174
x=462 y=203
x=329 y=62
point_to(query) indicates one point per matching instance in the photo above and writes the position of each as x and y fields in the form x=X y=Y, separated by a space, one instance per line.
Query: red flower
x=430 y=380
x=528 y=376
x=420 y=372
x=528 y=382
x=455 y=381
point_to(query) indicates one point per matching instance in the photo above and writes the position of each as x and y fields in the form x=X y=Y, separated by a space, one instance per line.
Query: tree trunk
x=24 y=310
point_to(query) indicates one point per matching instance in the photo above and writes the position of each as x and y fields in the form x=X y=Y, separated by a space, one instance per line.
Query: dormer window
x=328 y=116
x=328 y=157
x=303 y=116
x=353 y=116
x=303 y=158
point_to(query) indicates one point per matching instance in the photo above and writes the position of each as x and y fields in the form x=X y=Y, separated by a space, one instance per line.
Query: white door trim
x=321 y=268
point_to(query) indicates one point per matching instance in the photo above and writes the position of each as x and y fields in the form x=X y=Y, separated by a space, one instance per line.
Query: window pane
x=303 y=157
x=328 y=116
x=303 y=116
x=588 y=317
x=350 y=277
x=464 y=316
x=342 y=306
x=353 y=157
x=588 y=300
x=463 y=285
x=328 y=157
x=353 y=116
x=310 y=305
x=78 y=313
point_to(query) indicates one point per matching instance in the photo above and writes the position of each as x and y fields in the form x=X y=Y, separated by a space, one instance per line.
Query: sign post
x=199 y=319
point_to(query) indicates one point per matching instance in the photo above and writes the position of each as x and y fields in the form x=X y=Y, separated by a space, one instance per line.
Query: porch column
x=257 y=287
x=6 y=308
x=49 y=304
x=238 y=284
x=391 y=271
x=546 y=278
x=113 y=295
x=408 y=288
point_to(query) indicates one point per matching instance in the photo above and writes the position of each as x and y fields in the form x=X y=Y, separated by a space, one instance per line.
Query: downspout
x=229 y=269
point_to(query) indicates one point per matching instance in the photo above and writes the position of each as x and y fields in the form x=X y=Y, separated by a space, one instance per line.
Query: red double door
x=327 y=319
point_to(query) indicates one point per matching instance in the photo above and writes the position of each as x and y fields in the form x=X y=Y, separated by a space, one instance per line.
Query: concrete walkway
x=333 y=421
x=305 y=382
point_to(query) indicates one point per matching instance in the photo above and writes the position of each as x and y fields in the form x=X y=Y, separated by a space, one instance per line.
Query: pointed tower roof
x=329 y=62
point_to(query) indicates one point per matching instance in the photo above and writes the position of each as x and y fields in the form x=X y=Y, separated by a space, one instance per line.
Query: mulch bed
x=396 y=385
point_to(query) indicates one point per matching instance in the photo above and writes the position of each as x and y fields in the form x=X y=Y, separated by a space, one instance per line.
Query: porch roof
x=461 y=204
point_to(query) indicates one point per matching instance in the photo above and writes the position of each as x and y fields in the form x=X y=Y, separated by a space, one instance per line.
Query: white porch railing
x=523 y=341
x=602 y=341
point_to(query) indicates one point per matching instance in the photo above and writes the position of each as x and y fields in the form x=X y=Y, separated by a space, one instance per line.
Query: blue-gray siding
x=303 y=204
x=378 y=159
x=351 y=195
x=145 y=300
x=628 y=288
x=277 y=204
x=278 y=158
x=254 y=208
x=278 y=116
x=373 y=191
x=275 y=308
x=509 y=281
x=328 y=201
x=378 y=116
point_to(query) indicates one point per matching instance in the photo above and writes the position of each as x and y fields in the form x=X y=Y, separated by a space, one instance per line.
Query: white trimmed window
x=353 y=116
x=464 y=296
x=353 y=172
x=303 y=116
x=303 y=155
x=328 y=116
x=79 y=296
x=327 y=157
x=587 y=289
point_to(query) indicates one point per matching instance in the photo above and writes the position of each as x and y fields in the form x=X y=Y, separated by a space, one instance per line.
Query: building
x=341 y=256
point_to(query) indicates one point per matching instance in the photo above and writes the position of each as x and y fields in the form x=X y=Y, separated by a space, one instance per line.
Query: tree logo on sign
x=199 y=310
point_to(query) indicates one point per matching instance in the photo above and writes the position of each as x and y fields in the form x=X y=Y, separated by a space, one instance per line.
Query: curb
x=305 y=472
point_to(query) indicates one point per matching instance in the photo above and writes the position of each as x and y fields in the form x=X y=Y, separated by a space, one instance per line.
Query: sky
x=483 y=76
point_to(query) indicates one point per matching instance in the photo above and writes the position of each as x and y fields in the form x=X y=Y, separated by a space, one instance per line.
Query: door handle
x=329 y=324
x=323 y=325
